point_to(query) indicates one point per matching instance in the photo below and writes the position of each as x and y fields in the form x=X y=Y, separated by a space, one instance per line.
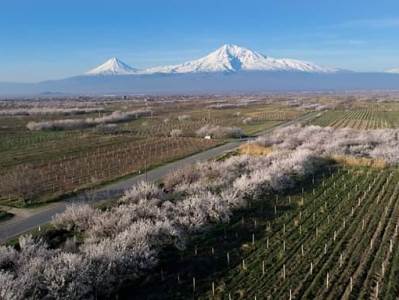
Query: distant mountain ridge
x=229 y=69
x=228 y=58
x=206 y=83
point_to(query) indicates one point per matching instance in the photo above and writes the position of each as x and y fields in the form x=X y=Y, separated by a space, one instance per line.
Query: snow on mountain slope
x=113 y=66
x=228 y=58
x=232 y=58
x=395 y=71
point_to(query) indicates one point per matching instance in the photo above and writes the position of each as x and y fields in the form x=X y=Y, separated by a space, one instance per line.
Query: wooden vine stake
x=327 y=280
x=263 y=268
x=193 y=284
x=228 y=258
x=376 y=291
x=213 y=289
x=340 y=260
x=284 y=271
x=351 y=284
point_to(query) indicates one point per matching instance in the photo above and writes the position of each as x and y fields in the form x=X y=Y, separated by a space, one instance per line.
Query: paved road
x=22 y=224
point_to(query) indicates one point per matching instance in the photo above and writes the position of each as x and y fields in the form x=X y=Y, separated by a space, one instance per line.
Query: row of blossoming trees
x=108 y=247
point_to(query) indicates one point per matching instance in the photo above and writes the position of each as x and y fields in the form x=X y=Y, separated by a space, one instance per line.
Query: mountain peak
x=233 y=58
x=230 y=48
x=393 y=71
x=112 y=66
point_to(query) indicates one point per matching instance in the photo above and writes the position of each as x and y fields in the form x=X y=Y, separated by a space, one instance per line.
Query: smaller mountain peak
x=393 y=71
x=113 y=66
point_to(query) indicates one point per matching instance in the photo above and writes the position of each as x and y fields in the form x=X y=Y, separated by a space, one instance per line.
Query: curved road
x=37 y=217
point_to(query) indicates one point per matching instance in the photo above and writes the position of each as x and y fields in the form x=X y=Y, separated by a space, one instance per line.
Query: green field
x=364 y=119
x=336 y=236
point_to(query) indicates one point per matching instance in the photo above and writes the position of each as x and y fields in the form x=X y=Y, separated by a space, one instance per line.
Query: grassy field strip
x=365 y=119
x=382 y=242
x=325 y=237
x=381 y=262
x=353 y=259
x=351 y=241
x=390 y=287
x=344 y=233
x=351 y=246
x=276 y=244
x=273 y=267
x=295 y=260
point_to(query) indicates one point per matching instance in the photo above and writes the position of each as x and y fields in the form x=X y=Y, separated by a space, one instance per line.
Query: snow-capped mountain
x=113 y=66
x=228 y=58
x=232 y=58
x=395 y=71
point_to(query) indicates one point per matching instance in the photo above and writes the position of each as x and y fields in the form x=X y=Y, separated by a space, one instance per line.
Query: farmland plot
x=43 y=165
x=23 y=184
x=358 y=119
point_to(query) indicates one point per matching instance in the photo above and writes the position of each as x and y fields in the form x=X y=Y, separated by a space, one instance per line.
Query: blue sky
x=48 y=39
